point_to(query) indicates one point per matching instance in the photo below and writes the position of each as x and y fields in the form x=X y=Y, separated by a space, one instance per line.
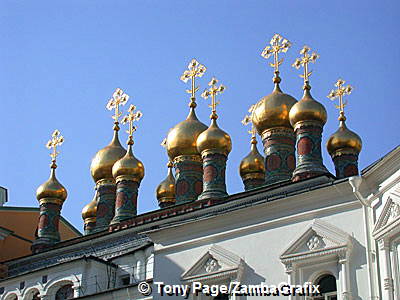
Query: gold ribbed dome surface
x=273 y=110
x=90 y=210
x=214 y=139
x=129 y=165
x=307 y=109
x=252 y=163
x=52 y=188
x=166 y=189
x=181 y=139
x=103 y=161
x=344 y=139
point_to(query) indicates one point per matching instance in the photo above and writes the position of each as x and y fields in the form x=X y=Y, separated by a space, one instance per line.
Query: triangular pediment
x=319 y=236
x=390 y=213
x=217 y=262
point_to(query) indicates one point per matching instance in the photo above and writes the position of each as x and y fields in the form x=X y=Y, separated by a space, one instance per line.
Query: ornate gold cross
x=118 y=99
x=164 y=143
x=277 y=44
x=56 y=140
x=339 y=93
x=195 y=69
x=131 y=117
x=247 y=120
x=213 y=91
x=304 y=61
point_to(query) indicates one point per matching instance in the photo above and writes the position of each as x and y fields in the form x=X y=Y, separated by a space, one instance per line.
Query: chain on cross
x=304 y=61
x=248 y=119
x=56 y=140
x=277 y=44
x=195 y=69
x=212 y=92
x=132 y=116
x=339 y=93
x=118 y=99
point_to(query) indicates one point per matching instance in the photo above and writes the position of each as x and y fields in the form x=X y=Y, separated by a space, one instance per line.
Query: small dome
x=165 y=192
x=52 y=188
x=103 y=161
x=215 y=139
x=181 y=139
x=307 y=109
x=253 y=163
x=273 y=110
x=89 y=212
x=129 y=166
x=344 y=139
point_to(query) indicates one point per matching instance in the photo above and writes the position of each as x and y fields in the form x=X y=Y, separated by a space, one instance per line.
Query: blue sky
x=60 y=63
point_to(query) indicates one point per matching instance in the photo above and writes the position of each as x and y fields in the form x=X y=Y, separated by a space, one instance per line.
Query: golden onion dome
x=214 y=139
x=307 y=109
x=273 y=110
x=181 y=139
x=344 y=139
x=253 y=162
x=165 y=191
x=52 y=188
x=89 y=212
x=128 y=166
x=103 y=161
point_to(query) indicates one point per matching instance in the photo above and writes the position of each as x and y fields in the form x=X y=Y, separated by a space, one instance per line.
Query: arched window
x=327 y=286
x=65 y=292
x=12 y=297
x=35 y=296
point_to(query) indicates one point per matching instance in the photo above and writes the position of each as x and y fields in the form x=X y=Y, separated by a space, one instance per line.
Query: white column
x=344 y=277
x=289 y=270
x=76 y=290
x=149 y=262
x=386 y=272
x=140 y=272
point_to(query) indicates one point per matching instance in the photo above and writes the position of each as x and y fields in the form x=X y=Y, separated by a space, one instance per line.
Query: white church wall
x=259 y=235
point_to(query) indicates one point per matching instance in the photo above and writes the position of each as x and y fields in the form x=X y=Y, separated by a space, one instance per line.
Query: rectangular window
x=44 y=278
x=1 y=290
x=125 y=280
x=21 y=285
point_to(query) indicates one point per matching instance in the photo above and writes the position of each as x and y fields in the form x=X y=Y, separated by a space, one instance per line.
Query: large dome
x=130 y=166
x=214 y=138
x=103 y=161
x=165 y=191
x=181 y=139
x=344 y=139
x=253 y=163
x=307 y=109
x=52 y=188
x=90 y=210
x=273 y=110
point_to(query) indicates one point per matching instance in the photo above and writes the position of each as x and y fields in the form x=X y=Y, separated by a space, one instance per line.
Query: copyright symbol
x=144 y=288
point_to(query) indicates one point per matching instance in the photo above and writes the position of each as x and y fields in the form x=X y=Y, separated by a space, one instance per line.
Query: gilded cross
x=118 y=99
x=247 y=120
x=132 y=116
x=339 y=93
x=56 y=140
x=304 y=61
x=195 y=69
x=212 y=92
x=277 y=44
x=164 y=143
